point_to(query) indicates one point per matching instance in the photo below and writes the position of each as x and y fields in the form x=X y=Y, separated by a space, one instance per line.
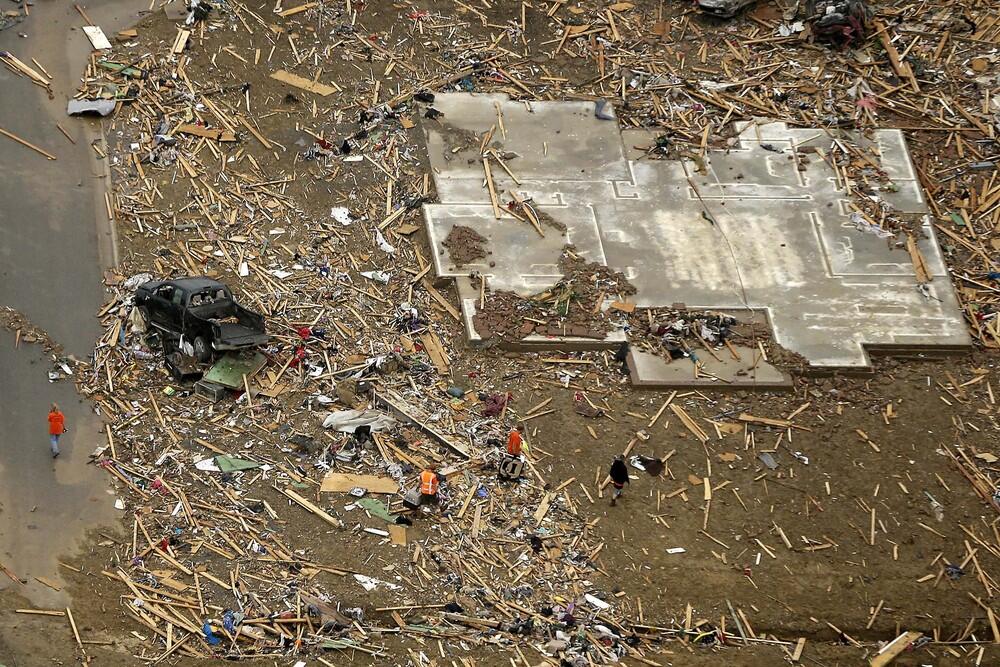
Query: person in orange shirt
x=57 y=426
x=515 y=440
x=429 y=486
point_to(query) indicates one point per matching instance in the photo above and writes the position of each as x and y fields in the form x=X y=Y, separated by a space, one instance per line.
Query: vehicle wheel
x=153 y=341
x=202 y=351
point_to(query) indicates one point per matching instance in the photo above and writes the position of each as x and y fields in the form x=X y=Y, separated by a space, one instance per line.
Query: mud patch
x=569 y=308
x=458 y=139
x=465 y=245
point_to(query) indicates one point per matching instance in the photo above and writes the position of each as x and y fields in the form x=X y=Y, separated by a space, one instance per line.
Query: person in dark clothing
x=619 y=477
x=621 y=356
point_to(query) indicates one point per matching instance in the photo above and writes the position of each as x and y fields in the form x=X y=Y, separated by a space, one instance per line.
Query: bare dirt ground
x=845 y=551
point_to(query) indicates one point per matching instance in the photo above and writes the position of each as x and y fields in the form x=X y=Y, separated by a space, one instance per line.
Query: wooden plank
x=14 y=137
x=477 y=521
x=397 y=534
x=48 y=582
x=311 y=507
x=799 y=645
x=97 y=37
x=435 y=350
x=891 y=650
x=72 y=624
x=320 y=89
x=209 y=133
x=543 y=508
x=336 y=482
x=257 y=135
x=296 y=10
x=919 y=263
x=40 y=612
x=782 y=423
x=689 y=423
x=395 y=402
x=439 y=298
x=180 y=41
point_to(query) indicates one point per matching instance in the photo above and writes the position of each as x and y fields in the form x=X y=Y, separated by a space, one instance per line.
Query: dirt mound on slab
x=571 y=307
x=465 y=245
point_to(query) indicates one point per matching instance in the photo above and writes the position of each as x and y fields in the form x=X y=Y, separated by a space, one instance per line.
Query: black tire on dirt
x=202 y=350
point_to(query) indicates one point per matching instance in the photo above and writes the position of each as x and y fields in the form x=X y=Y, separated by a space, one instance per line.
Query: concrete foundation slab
x=650 y=371
x=764 y=226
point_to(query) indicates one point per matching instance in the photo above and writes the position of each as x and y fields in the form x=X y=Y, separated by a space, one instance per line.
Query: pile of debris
x=576 y=306
x=300 y=189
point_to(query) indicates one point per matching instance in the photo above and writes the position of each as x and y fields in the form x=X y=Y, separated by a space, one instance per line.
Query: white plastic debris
x=370 y=584
x=378 y=276
x=383 y=244
x=341 y=215
x=597 y=602
x=346 y=421
x=789 y=29
x=137 y=280
x=207 y=465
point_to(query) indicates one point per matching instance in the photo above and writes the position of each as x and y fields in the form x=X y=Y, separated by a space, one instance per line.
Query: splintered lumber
x=320 y=89
x=435 y=350
x=471 y=621
x=441 y=300
x=395 y=402
x=336 y=482
x=180 y=41
x=296 y=10
x=689 y=423
x=252 y=130
x=919 y=263
x=311 y=507
x=543 y=507
x=14 y=62
x=765 y=420
x=72 y=624
x=780 y=423
x=900 y=66
x=891 y=650
x=201 y=131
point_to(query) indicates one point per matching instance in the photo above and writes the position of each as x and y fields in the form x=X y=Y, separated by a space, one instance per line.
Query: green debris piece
x=121 y=68
x=377 y=508
x=231 y=368
x=957 y=219
x=228 y=463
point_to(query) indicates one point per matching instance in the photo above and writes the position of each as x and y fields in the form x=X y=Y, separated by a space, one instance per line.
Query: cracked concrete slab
x=764 y=226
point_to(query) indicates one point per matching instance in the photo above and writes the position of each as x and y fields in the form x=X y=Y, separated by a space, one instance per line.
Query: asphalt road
x=55 y=242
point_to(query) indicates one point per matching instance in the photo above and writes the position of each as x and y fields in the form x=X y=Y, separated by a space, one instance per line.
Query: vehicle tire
x=202 y=350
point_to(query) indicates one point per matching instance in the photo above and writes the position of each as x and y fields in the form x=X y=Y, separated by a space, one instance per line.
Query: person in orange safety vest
x=429 y=485
x=515 y=441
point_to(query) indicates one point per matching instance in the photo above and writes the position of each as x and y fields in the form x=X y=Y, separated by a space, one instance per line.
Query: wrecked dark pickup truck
x=200 y=316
